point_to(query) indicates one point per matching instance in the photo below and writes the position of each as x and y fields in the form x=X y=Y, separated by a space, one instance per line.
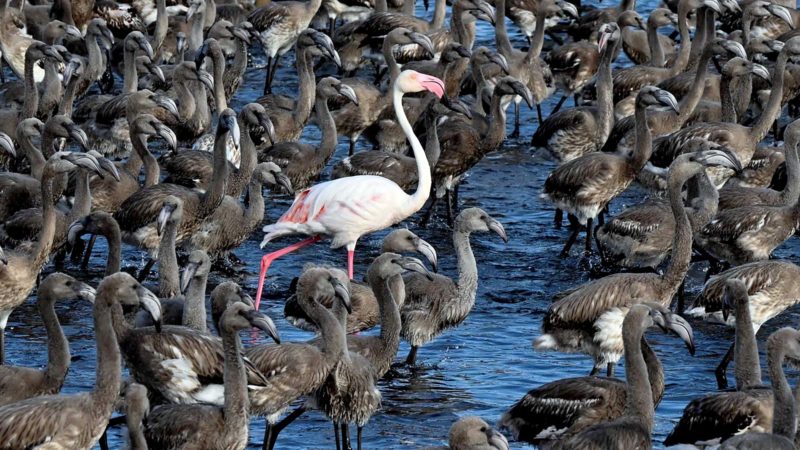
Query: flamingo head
x=412 y=81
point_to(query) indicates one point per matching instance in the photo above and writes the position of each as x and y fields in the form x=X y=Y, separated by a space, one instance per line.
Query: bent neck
x=773 y=109
x=420 y=195
x=791 y=191
x=657 y=58
x=747 y=366
x=58 y=357
x=682 y=241
x=109 y=365
x=237 y=404
x=639 y=404
x=683 y=54
x=328 y=127
x=168 y=271
x=784 y=417
x=644 y=139
x=501 y=39
x=307 y=85
x=31 y=101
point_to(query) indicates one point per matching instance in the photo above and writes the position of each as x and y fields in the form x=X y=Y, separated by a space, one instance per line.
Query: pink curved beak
x=432 y=84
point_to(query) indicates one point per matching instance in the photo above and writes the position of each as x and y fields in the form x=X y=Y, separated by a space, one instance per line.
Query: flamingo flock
x=673 y=148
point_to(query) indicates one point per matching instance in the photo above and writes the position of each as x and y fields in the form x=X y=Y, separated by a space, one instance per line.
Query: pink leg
x=350 y=255
x=269 y=257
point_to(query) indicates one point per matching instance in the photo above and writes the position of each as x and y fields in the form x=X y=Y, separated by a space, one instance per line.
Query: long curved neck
x=239 y=63
x=747 y=22
x=381 y=6
x=657 y=58
x=784 y=417
x=501 y=39
x=330 y=326
x=58 y=357
x=605 y=95
x=96 y=65
x=731 y=105
x=254 y=203
x=136 y=433
x=467 y=275
x=194 y=306
x=307 y=85
x=791 y=191
x=34 y=156
x=195 y=38
x=639 y=404
x=497 y=125
x=109 y=365
x=537 y=41
x=213 y=196
x=237 y=181
x=83 y=197
x=655 y=371
x=131 y=77
x=236 y=401
x=683 y=54
x=690 y=101
x=168 y=271
x=439 y=14
x=701 y=37
x=201 y=119
x=142 y=155
x=65 y=106
x=703 y=196
x=218 y=59
x=162 y=26
x=420 y=196
x=114 y=242
x=328 y=127
x=45 y=243
x=644 y=139
x=31 y=102
x=186 y=102
x=747 y=366
x=391 y=62
x=773 y=109
x=682 y=241
x=390 y=315
x=53 y=91
x=432 y=148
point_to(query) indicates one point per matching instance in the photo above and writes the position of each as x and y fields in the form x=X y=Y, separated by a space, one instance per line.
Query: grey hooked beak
x=714 y=5
x=7 y=144
x=487 y=10
x=145 y=46
x=168 y=104
x=76 y=133
x=233 y=126
x=427 y=250
x=775 y=45
x=760 y=71
x=722 y=158
x=463 y=51
x=168 y=135
x=501 y=61
x=269 y=127
x=284 y=182
x=52 y=52
x=681 y=327
x=180 y=42
x=731 y=5
x=73 y=31
x=242 y=34
x=206 y=79
x=497 y=227
x=735 y=48
x=186 y=276
x=76 y=230
x=193 y=8
x=343 y=293
x=107 y=35
x=157 y=72
x=263 y=323
x=569 y=9
x=349 y=93
x=70 y=69
x=84 y=160
x=667 y=99
x=523 y=92
x=150 y=303
x=782 y=13
x=423 y=41
x=163 y=218
x=496 y=439
x=414 y=265
x=602 y=41
x=84 y=291
x=109 y=167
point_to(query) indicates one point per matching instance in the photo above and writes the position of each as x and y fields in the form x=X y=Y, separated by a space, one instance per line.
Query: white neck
x=420 y=196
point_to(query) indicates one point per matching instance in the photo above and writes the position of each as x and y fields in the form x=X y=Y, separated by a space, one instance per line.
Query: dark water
x=480 y=368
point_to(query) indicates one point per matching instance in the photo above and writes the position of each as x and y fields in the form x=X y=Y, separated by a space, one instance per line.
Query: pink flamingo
x=347 y=208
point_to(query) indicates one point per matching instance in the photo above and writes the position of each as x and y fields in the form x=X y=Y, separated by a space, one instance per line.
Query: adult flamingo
x=347 y=208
